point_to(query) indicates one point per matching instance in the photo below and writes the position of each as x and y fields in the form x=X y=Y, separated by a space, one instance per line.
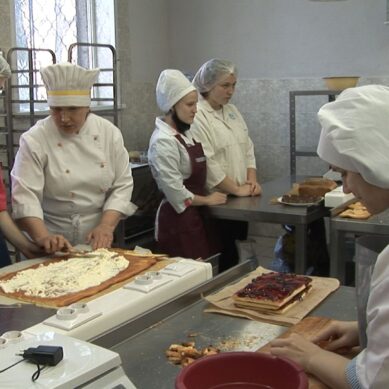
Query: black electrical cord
x=41 y=356
x=8 y=367
x=37 y=373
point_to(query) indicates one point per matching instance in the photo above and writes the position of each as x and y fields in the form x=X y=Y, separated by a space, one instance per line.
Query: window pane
x=55 y=25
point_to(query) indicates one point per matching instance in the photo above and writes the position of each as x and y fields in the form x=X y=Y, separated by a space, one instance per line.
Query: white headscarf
x=5 y=70
x=211 y=72
x=68 y=85
x=355 y=133
x=172 y=86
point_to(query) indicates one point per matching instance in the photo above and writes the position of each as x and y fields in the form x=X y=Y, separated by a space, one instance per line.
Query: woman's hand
x=251 y=180
x=327 y=366
x=243 y=190
x=101 y=236
x=52 y=243
x=32 y=250
x=256 y=189
x=216 y=198
x=297 y=348
x=339 y=335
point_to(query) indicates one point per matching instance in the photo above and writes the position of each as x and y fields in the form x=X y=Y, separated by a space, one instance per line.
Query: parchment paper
x=222 y=302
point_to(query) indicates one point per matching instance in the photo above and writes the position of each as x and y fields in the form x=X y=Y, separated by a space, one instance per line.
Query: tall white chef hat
x=172 y=86
x=68 y=85
x=211 y=73
x=355 y=133
x=5 y=70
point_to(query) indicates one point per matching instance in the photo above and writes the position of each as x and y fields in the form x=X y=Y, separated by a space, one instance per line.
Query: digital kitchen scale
x=83 y=365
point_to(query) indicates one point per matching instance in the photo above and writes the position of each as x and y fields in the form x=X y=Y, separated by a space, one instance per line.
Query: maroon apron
x=189 y=234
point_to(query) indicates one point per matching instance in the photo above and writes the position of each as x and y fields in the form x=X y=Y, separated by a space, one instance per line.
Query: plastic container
x=242 y=370
x=341 y=83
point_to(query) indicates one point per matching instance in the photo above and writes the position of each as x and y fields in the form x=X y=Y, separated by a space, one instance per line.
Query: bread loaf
x=316 y=186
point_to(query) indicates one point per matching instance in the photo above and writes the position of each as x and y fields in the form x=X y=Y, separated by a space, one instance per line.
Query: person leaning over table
x=71 y=181
x=221 y=129
x=8 y=228
x=355 y=141
x=178 y=165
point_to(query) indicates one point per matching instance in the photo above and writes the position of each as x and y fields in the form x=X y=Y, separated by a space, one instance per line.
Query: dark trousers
x=231 y=231
x=5 y=259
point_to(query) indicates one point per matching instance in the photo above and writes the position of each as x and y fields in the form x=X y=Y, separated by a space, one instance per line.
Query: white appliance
x=337 y=197
x=144 y=292
x=83 y=365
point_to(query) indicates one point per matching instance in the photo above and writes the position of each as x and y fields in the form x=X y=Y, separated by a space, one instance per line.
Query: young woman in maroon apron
x=178 y=164
x=190 y=233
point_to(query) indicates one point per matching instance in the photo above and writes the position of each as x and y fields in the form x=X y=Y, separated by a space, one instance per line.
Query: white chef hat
x=5 y=70
x=355 y=133
x=211 y=72
x=172 y=86
x=68 y=85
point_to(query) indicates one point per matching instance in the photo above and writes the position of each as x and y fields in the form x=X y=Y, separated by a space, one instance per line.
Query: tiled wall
x=264 y=103
x=138 y=116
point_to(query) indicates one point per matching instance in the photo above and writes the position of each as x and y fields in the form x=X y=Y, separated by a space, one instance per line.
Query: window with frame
x=57 y=24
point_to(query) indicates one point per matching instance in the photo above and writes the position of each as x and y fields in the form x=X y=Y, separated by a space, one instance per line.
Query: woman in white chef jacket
x=221 y=129
x=355 y=141
x=178 y=165
x=71 y=180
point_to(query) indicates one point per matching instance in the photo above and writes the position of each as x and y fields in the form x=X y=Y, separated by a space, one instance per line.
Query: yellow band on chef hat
x=68 y=92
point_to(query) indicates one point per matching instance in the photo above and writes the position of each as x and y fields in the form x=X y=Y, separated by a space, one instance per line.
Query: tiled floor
x=264 y=249
x=260 y=243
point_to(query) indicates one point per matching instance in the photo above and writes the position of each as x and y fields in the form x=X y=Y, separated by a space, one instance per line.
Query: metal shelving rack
x=110 y=109
x=24 y=112
x=294 y=152
x=4 y=138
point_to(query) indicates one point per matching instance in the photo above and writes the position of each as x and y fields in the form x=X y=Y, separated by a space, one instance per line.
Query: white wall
x=282 y=38
x=148 y=38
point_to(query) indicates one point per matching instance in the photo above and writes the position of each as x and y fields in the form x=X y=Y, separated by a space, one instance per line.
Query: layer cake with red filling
x=273 y=292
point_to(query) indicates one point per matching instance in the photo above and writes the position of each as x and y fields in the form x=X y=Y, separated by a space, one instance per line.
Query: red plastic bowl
x=242 y=370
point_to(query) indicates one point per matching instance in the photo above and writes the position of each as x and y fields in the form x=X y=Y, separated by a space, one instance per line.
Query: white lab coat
x=170 y=164
x=69 y=180
x=372 y=364
x=226 y=143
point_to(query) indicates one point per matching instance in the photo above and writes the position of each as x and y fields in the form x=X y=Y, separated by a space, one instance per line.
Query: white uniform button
x=95 y=137
x=72 y=195
x=102 y=164
x=59 y=144
x=67 y=171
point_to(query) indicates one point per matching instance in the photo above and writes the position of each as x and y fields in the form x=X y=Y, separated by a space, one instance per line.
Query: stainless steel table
x=339 y=227
x=141 y=344
x=260 y=209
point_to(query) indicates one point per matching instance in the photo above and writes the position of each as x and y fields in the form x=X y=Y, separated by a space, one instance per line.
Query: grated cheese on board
x=68 y=276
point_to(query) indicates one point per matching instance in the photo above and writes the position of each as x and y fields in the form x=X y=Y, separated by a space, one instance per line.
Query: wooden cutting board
x=138 y=266
x=309 y=326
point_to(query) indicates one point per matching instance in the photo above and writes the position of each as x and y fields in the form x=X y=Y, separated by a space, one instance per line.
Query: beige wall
x=278 y=45
x=5 y=25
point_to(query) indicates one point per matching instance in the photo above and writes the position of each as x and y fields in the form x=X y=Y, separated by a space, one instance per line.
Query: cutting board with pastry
x=64 y=280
